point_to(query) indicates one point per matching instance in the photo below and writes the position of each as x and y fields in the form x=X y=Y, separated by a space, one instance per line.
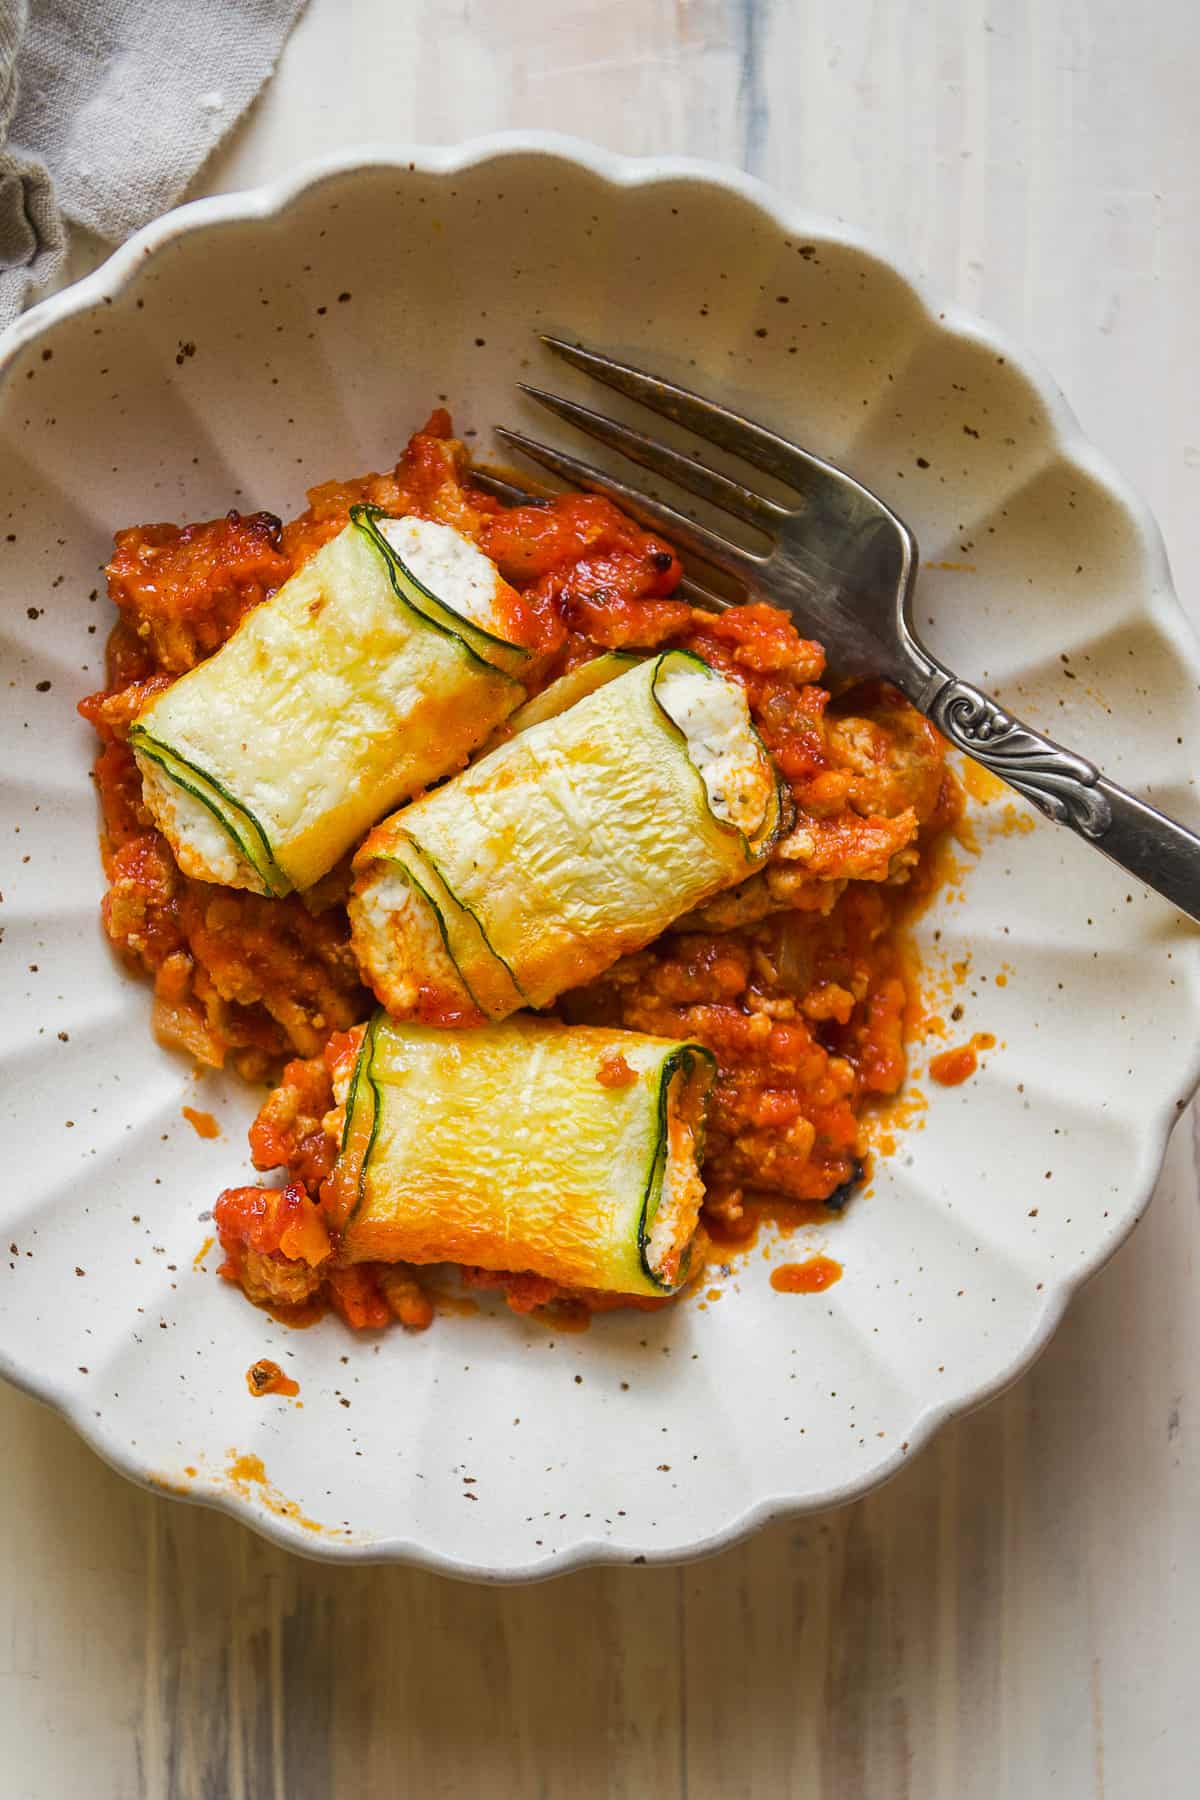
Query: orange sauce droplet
x=202 y=1252
x=953 y=1067
x=812 y=1276
x=266 y=1377
x=202 y=1123
x=246 y=1467
x=614 y=1072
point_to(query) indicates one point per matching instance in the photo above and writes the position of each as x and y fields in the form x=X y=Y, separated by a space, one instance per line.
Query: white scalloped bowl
x=247 y=346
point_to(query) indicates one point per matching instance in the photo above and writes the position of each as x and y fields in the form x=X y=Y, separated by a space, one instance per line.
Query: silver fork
x=844 y=565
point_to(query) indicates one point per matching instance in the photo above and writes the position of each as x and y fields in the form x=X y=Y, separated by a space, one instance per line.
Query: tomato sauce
x=812 y=1276
x=613 y=1071
x=795 y=980
x=952 y=1067
x=266 y=1377
x=732 y=1231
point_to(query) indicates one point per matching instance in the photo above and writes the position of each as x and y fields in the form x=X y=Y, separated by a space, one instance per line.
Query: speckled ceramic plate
x=247 y=346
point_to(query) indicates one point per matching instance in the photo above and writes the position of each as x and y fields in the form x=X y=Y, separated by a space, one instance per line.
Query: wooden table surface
x=1017 y=1613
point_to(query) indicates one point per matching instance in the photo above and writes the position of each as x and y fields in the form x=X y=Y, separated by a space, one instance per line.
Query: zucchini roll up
x=376 y=669
x=581 y=838
x=529 y=1147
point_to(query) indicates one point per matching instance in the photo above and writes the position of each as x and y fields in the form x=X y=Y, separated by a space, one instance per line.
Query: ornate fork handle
x=1062 y=785
x=1068 y=789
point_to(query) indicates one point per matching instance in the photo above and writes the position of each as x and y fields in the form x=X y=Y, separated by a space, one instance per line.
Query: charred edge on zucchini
x=847 y=1189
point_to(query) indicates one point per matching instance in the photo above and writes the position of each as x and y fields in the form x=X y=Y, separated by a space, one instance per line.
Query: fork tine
x=500 y=489
x=655 y=515
x=730 y=430
x=512 y=495
x=689 y=589
x=707 y=484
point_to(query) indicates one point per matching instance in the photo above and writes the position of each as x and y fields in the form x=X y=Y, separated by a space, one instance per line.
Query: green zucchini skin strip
x=497 y=652
x=473 y=914
x=332 y=702
x=361 y=1076
x=407 y=874
x=463 y=1187
x=685 y=1060
x=768 y=833
x=582 y=837
x=476 y=964
x=262 y=861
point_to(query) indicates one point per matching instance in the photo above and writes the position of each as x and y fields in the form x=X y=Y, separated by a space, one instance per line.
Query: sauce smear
x=266 y=1377
x=812 y=1276
x=202 y=1123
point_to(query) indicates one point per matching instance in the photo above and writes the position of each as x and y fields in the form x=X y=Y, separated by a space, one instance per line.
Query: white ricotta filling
x=399 y=941
x=714 y=717
x=455 y=570
x=203 y=848
x=674 y=1223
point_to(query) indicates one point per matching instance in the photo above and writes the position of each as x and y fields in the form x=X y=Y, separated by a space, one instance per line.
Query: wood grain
x=1015 y=1614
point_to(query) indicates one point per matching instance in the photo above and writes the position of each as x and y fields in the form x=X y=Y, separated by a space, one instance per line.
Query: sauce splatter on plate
x=266 y=1377
x=812 y=1276
x=202 y=1123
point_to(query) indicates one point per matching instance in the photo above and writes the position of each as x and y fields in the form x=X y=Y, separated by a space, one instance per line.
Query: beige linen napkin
x=108 y=108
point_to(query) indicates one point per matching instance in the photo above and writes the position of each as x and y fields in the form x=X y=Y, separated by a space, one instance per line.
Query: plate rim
x=272 y=198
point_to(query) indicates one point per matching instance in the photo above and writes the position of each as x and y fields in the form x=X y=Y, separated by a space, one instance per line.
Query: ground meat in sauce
x=794 y=979
x=805 y=1017
x=182 y=589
